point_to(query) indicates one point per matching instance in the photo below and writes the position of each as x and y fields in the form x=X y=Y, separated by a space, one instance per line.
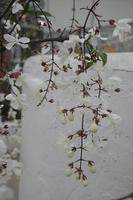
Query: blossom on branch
x=22 y=41
x=16 y=7
x=17 y=99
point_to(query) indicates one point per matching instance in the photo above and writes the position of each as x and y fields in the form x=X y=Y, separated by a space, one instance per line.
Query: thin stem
x=52 y=48
x=50 y=78
x=81 y=143
x=126 y=197
x=7 y=9
x=89 y=13
x=73 y=17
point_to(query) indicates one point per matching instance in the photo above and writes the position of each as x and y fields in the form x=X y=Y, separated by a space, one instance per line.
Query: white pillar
x=44 y=164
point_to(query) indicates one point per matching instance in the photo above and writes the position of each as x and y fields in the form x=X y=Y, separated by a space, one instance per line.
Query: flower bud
x=92 y=169
x=85 y=182
x=63 y=119
x=70 y=116
x=93 y=127
x=68 y=171
x=78 y=175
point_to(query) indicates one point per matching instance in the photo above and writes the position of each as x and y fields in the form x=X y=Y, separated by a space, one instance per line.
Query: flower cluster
x=9 y=151
x=73 y=65
x=90 y=88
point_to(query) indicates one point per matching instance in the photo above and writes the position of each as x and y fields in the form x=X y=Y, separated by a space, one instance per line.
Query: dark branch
x=125 y=197
x=56 y=39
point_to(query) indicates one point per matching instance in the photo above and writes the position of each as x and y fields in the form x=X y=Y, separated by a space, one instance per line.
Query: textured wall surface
x=44 y=162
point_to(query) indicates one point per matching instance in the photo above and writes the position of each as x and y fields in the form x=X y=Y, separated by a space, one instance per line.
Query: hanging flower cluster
x=88 y=85
x=73 y=65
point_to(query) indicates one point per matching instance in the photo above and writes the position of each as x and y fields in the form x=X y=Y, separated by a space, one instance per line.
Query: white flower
x=114 y=119
x=16 y=7
x=68 y=171
x=3 y=148
x=93 y=127
x=85 y=182
x=92 y=167
x=63 y=118
x=17 y=99
x=122 y=28
x=22 y=41
x=70 y=116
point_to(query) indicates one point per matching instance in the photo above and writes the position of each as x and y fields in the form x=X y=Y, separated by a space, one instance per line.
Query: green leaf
x=103 y=57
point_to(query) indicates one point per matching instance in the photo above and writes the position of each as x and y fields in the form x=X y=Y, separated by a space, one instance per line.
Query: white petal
x=10 y=97
x=24 y=46
x=23 y=98
x=24 y=40
x=18 y=27
x=15 y=105
x=16 y=7
x=9 y=38
x=15 y=90
x=9 y=45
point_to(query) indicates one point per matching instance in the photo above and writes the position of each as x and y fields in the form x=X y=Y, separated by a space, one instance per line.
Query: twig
x=130 y=195
x=50 y=39
x=7 y=9
x=73 y=18
x=90 y=10
x=52 y=48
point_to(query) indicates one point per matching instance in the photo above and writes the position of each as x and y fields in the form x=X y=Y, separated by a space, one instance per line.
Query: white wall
x=44 y=163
